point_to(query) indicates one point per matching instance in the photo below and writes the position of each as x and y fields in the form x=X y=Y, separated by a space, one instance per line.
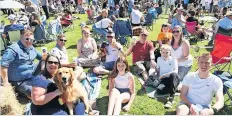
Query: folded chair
x=149 y=21
x=122 y=30
x=14 y=36
x=222 y=60
x=40 y=34
x=54 y=29
x=191 y=29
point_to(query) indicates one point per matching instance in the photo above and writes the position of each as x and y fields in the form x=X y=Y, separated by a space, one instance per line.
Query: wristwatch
x=215 y=110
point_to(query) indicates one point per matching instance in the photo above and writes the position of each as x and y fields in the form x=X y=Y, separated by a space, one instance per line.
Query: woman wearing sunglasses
x=181 y=50
x=45 y=94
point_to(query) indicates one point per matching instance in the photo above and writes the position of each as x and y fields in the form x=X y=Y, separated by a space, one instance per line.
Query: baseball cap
x=12 y=17
x=111 y=33
x=229 y=12
x=144 y=31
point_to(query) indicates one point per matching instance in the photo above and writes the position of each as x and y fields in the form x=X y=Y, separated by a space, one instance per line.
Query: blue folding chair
x=122 y=30
x=149 y=21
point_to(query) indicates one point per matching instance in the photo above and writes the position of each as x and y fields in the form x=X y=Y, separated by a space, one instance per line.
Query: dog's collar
x=61 y=100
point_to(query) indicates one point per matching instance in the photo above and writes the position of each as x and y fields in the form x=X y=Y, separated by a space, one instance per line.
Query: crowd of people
x=168 y=73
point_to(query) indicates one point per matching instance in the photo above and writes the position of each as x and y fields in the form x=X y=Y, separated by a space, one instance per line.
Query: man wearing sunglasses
x=17 y=63
x=113 y=50
x=61 y=52
x=143 y=56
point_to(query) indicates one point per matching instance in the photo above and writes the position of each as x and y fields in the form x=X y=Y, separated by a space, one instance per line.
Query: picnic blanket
x=92 y=84
x=150 y=91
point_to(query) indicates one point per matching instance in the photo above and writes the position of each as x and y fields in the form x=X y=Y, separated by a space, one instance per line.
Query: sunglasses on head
x=175 y=31
x=145 y=35
x=29 y=39
x=164 y=25
x=51 y=62
x=63 y=40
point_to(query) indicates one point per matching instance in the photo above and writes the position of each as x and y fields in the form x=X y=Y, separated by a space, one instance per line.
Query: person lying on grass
x=198 y=90
x=121 y=88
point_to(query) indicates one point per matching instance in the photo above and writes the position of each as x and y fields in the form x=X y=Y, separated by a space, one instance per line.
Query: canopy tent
x=10 y=4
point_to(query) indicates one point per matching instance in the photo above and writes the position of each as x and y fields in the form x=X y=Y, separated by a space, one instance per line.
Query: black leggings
x=170 y=83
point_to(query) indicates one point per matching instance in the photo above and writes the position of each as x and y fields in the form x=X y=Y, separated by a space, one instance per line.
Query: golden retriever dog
x=71 y=89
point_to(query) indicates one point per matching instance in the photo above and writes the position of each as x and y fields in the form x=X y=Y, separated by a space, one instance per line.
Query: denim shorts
x=123 y=90
x=108 y=65
x=182 y=71
x=204 y=106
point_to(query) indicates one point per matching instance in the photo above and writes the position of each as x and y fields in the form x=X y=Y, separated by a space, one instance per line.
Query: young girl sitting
x=167 y=70
x=121 y=88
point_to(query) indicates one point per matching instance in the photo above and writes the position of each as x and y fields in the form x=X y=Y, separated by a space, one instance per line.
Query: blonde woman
x=181 y=50
x=87 y=50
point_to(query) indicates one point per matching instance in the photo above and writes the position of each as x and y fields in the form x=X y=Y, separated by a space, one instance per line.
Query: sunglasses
x=63 y=40
x=145 y=35
x=51 y=62
x=29 y=39
x=175 y=31
x=164 y=25
x=109 y=36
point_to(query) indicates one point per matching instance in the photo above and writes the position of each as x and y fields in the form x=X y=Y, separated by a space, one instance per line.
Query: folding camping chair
x=222 y=59
x=14 y=36
x=39 y=34
x=191 y=29
x=122 y=30
x=54 y=29
x=149 y=21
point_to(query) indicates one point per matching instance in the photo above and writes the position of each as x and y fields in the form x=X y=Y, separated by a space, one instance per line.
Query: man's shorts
x=108 y=65
x=141 y=66
x=204 y=106
x=23 y=87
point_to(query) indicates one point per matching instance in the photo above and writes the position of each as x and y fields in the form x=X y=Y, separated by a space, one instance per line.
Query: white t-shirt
x=123 y=81
x=104 y=23
x=201 y=91
x=171 y=2
x=61 y=54
x=112 y=53
x=178 y=53
x=167 y=66
x=215 y=2
x=136 y=16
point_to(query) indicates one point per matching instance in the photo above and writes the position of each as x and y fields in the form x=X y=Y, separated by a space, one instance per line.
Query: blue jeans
x=108 y=65
x=182 y=71
x=23 y=87
x=79 y=109
x=100 y=31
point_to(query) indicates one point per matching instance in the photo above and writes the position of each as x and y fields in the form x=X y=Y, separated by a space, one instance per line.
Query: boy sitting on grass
x=167 y=79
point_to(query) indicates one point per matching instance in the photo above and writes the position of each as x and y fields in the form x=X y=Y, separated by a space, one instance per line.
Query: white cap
x=12 y=17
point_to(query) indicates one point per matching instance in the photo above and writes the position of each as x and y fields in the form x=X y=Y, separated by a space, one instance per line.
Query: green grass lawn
x=142 y=104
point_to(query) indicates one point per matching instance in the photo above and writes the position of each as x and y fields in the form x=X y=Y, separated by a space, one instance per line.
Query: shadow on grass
x=141 y=92
x=210 y=43
x=72 y=47
x=161 y=99
x=170 y=113
x=102 y=105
